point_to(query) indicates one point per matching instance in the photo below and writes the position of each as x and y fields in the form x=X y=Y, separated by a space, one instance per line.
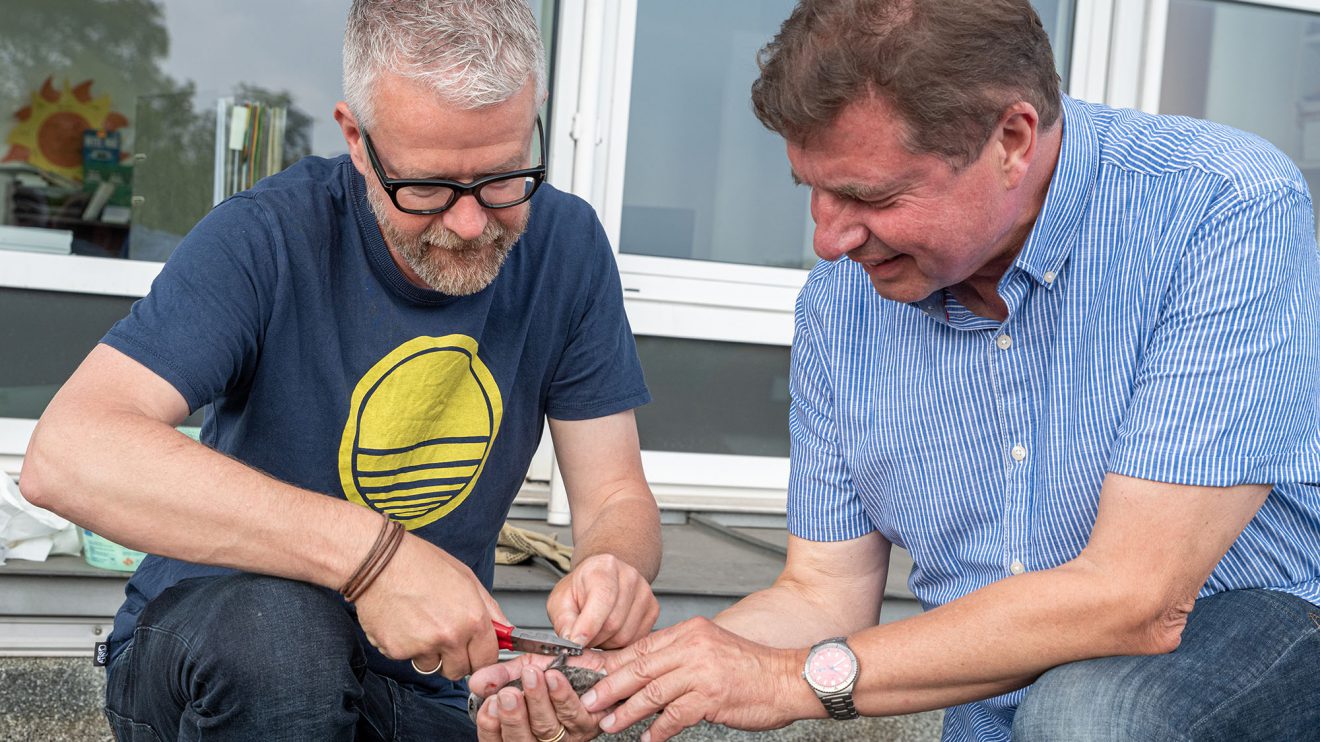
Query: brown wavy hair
x=949 y=67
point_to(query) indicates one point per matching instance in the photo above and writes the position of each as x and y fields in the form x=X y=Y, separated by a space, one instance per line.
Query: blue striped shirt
x=1163 y=323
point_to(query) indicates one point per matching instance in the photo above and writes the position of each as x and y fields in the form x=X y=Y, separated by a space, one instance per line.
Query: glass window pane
x=1057 y=18
x=546 y=13
x=1251 y=67
x=155 y=72
x=703 y=179
x=150 y=72
x=714 y=397
x=43 y=338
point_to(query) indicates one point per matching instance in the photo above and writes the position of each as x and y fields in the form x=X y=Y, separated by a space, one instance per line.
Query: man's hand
x=694 y=671
x=545 y=704
x=606 y=600
x=428 y=607
x=603 y=602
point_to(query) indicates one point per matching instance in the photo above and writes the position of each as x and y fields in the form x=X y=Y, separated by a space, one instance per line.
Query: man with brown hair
x=1071 y=364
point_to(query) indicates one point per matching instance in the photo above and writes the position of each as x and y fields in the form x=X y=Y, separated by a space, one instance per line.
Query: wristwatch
x=831 y=671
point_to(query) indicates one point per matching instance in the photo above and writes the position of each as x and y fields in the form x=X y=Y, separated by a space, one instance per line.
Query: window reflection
x=171 y=74
x=1057 y=18
x=42 y=347
x=714 y=397
x=703 y=179
x=149 y=74
x=1250 y=67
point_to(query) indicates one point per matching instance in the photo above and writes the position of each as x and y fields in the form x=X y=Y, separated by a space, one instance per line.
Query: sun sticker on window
x=49 y=133
x=420 y=426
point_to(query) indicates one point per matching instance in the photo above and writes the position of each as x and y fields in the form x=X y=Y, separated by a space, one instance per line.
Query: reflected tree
x=123 y=41
x=177 y=173
x=123 y=45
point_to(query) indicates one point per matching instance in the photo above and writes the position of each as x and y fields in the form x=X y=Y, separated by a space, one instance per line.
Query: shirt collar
x=1051 y=239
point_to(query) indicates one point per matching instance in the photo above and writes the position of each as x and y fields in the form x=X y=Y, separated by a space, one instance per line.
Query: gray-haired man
x=382 y=334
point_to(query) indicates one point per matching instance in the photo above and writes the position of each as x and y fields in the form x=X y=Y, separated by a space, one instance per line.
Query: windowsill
x=22 y=269
x=58 y=566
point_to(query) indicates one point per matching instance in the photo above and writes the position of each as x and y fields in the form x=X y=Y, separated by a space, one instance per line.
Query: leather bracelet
x=375 y=563
x=356 y=577
x=371 y=562
x=386 y=553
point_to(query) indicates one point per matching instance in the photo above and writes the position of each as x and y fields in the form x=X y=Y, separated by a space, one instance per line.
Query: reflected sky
x=291 y=45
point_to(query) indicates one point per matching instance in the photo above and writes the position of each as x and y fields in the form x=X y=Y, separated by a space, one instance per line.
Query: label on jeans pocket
x=100 y=654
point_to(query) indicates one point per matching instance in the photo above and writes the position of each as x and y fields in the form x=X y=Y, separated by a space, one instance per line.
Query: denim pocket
x=127 y=730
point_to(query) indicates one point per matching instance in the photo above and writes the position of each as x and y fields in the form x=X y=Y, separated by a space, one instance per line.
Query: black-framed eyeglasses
x=432 y=196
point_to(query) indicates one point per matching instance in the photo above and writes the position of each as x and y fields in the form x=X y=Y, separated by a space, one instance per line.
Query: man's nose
x=837 y=231
x=466 y=218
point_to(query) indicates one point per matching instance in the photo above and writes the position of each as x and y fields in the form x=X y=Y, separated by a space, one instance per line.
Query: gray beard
x=444 y=261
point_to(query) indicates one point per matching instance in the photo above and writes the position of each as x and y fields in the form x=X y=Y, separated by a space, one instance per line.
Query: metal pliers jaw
x=536 y=642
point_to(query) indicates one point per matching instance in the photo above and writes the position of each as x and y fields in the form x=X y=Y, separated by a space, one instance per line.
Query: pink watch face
x=830 y=667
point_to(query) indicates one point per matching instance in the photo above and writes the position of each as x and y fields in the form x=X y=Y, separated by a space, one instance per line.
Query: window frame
x=1140 y=32
x=683 y=298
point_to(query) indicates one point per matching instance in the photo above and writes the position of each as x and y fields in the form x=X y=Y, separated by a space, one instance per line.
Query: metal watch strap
x=840 y=705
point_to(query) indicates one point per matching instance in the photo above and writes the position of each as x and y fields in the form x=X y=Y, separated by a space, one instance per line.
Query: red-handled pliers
x=537 y=642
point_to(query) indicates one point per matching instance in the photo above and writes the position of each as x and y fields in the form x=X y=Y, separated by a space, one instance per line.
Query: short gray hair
x=472 y=53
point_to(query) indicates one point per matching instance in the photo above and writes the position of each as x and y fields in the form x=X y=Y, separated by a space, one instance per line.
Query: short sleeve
x=201 y=325
x=598 y=373
x=823 y=503
x=1228 y=388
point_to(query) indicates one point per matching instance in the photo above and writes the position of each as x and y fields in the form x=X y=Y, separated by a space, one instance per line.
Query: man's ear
x=1017 y=134
x=348 y=124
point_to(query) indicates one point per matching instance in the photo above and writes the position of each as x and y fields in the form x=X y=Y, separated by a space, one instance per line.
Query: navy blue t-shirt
x=284 y=315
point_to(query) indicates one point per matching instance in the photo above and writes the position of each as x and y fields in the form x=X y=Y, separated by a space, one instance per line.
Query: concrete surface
x=52 y=699
x=59 y=700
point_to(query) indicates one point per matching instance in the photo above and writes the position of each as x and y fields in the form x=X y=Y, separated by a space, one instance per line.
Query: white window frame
x=1140 y=31
x=663 y=297
x=597 y=74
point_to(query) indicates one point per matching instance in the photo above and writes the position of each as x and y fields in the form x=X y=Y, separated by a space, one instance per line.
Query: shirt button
x=1004 y=342
x=1016 y=567
x=1049 y=276
x=1019 y=453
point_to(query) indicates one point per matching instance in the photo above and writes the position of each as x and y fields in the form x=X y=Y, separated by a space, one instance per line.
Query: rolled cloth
x=517 y=545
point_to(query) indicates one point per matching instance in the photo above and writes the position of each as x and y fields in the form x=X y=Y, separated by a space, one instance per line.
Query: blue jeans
x=1248 y=668
x=248 y=657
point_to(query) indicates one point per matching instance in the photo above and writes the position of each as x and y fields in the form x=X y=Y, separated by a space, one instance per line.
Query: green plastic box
x=106 y=554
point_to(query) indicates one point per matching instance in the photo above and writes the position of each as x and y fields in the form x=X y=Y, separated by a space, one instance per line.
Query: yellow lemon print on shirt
x=420 y=427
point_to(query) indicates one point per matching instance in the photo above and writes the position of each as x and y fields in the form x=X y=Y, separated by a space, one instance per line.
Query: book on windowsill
x=36 y=239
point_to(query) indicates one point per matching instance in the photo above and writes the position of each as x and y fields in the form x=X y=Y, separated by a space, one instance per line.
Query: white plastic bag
x=29 y=532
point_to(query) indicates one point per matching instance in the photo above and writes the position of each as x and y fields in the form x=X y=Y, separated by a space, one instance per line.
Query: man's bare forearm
x=826 y=589
x=626 y=526
x=788 y=615
x=141 y=483
x=995 y=640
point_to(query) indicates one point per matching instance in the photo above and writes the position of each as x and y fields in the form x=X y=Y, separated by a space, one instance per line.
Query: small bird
x=580 y=678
